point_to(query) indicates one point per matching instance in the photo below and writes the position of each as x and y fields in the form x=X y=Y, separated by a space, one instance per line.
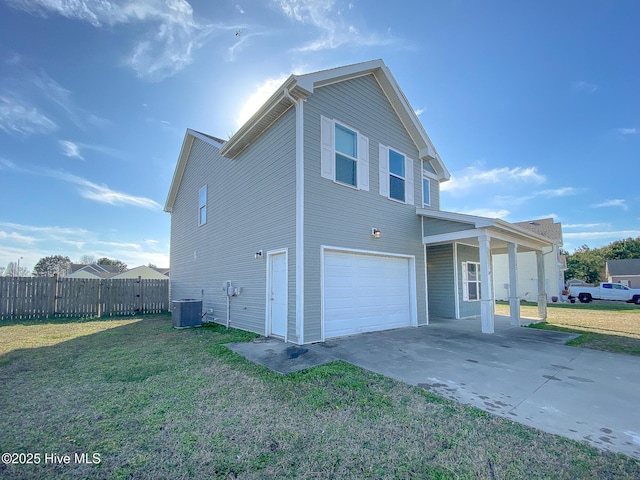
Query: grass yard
x=154 y=403
x=608 y=326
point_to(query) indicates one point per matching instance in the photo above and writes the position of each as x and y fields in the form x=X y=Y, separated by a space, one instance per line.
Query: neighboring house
x=321 y=215
x=143 y=272
x=554 y=265
x=92 y=270
x=626 y=271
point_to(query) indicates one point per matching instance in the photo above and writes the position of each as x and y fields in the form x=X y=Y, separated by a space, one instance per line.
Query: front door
x=278 y=294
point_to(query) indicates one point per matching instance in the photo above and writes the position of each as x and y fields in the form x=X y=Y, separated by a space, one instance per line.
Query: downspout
x=299 y=215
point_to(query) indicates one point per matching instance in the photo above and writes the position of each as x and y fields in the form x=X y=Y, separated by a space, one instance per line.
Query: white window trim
x=328 y=154
x=385 y=174
x=202 y=206
x=466 y=281
x=427 y=176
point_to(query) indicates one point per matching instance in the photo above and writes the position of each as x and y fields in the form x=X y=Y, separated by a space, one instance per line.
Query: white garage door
x=364 y=293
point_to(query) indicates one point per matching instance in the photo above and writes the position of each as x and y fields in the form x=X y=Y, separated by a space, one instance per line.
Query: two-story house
x=321 y=215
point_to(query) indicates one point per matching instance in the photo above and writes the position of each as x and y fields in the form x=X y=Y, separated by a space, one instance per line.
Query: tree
x=87 y=259
x=122 y=267
x=622 y=249
x=52 y=265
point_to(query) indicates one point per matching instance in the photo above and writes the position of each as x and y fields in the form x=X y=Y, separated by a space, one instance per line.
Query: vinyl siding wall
x=250 y=207
x=340 y=216
x=436 y=226
x=466 y=253
x=441 y=281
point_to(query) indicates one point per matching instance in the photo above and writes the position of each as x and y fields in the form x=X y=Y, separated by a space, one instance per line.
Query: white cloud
x=419 y=111
x=559 y=192
x=260 y=95
x=486 y=212
x=472 y=177
x=239 y=8
x=89 y=190
x=629 y=131
x=244 y=41
x=70 y=149
x=584 y=87
x=165 y=49
x=74 y=242
x=614 y=235
x=334 y=29
x=584 y=225
x=16 y=237
x=618 y=202
x=19 y=117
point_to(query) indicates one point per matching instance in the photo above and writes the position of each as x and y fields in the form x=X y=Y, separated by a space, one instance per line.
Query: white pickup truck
x=606 y=291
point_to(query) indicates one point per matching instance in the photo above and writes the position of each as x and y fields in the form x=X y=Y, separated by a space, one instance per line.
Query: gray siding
x=436 y=226
x=250 y=207
x=466 y=253
x=440 y=281
x=340 y=216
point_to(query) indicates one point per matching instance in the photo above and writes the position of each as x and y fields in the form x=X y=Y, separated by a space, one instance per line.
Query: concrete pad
x=525 y=375
x=282 y=357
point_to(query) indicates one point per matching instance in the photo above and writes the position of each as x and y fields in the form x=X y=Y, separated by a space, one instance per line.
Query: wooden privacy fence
x=43 y=297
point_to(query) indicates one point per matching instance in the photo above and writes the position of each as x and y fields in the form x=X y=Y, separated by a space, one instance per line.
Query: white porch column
x=486 y=282
x=514 y=301
x=542 y=294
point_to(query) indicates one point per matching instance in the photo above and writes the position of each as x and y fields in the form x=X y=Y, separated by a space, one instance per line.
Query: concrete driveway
x=523 y=374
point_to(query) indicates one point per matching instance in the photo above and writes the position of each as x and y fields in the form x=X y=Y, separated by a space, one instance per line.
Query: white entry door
x=278 y=294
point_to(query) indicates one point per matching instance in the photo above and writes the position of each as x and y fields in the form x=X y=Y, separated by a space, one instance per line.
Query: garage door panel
x=364 y=293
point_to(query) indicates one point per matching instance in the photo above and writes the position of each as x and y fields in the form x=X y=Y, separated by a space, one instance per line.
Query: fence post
x=99 y=309
x=54 y=294
x=140 y=294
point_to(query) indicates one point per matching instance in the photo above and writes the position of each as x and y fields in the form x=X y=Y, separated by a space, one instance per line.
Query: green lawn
x=608 y=326
x=156 y=403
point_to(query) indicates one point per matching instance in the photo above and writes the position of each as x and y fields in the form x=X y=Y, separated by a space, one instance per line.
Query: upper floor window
x=426 y=191
x=344 y=154
x=202 y=206
x=396 y=175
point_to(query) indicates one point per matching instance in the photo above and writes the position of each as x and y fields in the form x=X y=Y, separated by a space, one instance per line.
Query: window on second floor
x=344 y=154
x=426 y=191
x=202 y=206
x=396 y=175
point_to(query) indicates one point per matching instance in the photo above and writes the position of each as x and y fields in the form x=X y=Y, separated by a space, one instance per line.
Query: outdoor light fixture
x=375 y=233
x=258 y=254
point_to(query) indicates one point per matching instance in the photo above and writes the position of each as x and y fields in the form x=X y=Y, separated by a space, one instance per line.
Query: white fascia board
x=185 y=150
x=451 y=237
x=205 y=138
x=478 y=222
x=310 y=81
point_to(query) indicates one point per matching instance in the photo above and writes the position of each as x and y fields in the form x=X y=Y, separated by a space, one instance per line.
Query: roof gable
x=302 y=86
x=187 y=143
x=545 y=227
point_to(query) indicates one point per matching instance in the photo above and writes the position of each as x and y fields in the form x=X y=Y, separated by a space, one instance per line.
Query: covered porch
x=458 y=250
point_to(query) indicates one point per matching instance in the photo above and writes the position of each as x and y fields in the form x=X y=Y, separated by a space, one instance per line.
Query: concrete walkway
x=523 y=374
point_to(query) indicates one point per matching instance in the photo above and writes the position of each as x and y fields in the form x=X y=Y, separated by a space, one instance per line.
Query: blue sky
x=534 y=106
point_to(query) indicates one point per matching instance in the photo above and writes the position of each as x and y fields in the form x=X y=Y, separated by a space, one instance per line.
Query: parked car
x=606 y=291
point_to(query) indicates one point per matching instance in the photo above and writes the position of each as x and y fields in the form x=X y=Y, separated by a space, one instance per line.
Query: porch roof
x=450 y=227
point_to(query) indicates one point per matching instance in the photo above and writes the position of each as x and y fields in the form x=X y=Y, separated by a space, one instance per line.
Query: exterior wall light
x=258 y=254
x=375 y=233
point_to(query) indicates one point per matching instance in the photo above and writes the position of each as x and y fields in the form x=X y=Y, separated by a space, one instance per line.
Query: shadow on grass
x=595 y=340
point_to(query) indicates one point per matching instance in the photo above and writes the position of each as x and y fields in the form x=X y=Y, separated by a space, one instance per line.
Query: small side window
x=202 y=206
x=426 y=192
